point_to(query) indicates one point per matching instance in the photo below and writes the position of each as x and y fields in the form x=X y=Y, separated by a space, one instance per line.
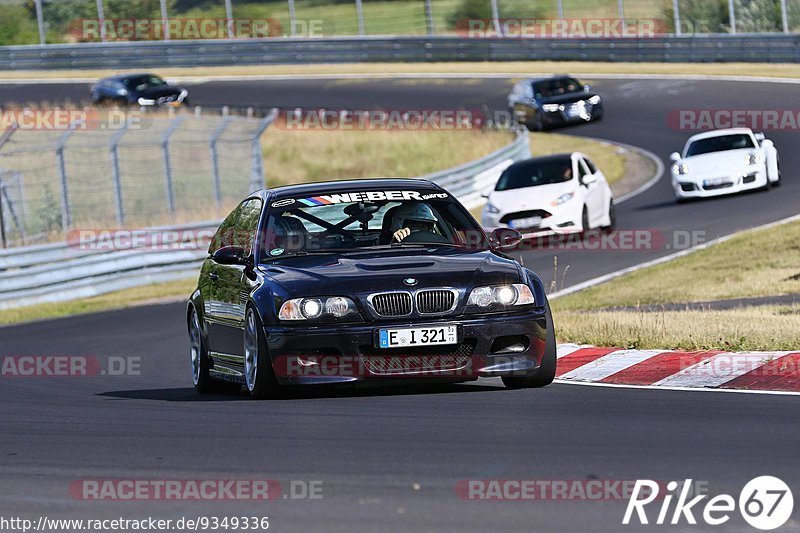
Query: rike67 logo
x=765 y=503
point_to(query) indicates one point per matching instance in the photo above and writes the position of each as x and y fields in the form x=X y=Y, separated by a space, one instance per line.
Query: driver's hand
x=401 y=234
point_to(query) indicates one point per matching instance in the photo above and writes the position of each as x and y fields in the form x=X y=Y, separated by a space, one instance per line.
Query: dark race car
x=543 y=103
x=147 y=90
x=366 y=280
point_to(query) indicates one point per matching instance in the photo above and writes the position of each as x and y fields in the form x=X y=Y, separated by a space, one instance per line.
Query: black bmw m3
x=385 y=280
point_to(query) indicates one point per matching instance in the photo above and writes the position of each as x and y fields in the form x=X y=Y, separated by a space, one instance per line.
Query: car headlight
x=751 y=159
x=483 y=298
x=550 y=108
x=146 y=101
x=680 y=169
x=314 y=308
x=564 y=198
x=594 y=100
x=491 y=209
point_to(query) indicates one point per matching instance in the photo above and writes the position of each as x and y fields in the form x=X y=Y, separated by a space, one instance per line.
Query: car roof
x=354 y=185
x=553 y=77
x=120 y=77
x=719 y=133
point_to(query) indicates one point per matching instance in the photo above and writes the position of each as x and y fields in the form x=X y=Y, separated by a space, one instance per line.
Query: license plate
x=401 y=338
x=530 y=222
x=714 y=182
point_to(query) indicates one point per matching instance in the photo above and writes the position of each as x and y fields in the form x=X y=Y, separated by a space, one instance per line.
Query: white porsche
x=725 y=161
x=562 y=193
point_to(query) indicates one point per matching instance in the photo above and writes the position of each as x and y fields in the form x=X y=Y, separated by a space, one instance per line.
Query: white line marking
x=610 y=364
x=562 y=350
x=682 y=389
x=719 y=369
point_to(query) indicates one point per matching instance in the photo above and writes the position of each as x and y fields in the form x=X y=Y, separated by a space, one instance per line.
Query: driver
x=412 y=218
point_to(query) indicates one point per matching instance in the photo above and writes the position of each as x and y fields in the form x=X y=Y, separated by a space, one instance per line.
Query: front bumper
x=490 y=345
x=563 y=219
x=696 y=187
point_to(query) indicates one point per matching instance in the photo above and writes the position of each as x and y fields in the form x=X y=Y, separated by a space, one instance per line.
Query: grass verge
x=727 y=270
x=521 y=68
x=160 y=292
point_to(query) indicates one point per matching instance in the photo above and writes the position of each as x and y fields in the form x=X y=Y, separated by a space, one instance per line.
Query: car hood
x=538 y=197
x=717 y=163
x=567 y=98
x=159 y=91
x=364 y=273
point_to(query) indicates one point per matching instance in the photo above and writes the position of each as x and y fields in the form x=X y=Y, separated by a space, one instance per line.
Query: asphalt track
x=390 y=460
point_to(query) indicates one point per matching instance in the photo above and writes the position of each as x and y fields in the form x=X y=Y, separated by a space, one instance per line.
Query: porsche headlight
x=594 y=100
x=751 y=159
x=680 y=169
x=491 y=209
x=564 y=198
x=550 y=108
x=314 y=308
x=482 y=298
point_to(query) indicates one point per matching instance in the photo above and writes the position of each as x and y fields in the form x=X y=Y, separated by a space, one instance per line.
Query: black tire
x=201 y=377
x=260 y=381
x=546 y=372
x=536 y=123
x=612 y=217
x=585 y=221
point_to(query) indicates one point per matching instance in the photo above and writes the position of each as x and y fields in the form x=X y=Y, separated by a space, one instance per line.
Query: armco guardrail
x=758 y=48
x=64 y=271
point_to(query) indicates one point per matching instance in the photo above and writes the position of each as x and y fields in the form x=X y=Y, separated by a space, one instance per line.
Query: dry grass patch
x=522 y=68
x=756 y=263
x=750 y=328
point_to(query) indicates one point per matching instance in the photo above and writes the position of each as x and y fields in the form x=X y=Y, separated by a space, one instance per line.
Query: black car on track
x=364 y=281
x=146 y=90
x=543 y=103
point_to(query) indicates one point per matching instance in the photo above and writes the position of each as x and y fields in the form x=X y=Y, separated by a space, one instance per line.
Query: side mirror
x=230 y=255
x=760 y=136
x=504 y=238
x=588 y=179
x=674 y=157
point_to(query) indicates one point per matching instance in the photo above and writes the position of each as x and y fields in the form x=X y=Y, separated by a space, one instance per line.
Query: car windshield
x=720 y=144
x=533 y=173
x=355 y=222
x=141 y=83
x=556 y=87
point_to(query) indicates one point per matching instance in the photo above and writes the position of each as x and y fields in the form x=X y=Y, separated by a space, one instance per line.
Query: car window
x=140 y=83
x=239 y=227
x=351 y=226
x=583 y=170
x=720 y=143
x=533 y=173
x=556 y=87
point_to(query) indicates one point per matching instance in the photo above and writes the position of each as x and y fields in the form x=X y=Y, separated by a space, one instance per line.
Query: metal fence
x=48 y=21
x=27 y=276
x=155 y=169
x=719 y=48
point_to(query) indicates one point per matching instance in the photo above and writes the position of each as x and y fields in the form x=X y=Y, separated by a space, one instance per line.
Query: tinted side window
x=239 y=228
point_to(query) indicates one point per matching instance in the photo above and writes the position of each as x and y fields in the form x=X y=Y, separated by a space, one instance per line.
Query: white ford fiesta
x=724 y=162
x=562 y=193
